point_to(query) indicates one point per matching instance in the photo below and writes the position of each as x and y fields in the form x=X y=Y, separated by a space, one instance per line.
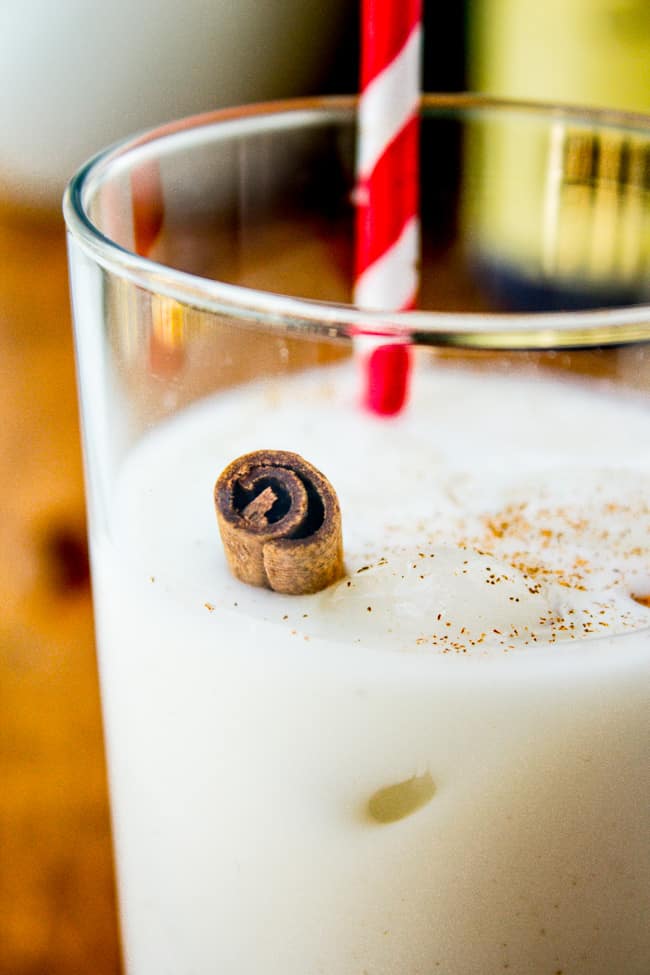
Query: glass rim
x=625 y=324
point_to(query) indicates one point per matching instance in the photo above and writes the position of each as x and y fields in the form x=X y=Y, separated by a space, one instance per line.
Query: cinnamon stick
x=280 y=522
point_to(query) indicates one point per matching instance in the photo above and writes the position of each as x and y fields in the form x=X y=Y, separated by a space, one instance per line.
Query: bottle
x=582 y=52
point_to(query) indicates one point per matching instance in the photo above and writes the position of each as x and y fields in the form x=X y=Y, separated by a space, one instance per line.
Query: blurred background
x=75 y=76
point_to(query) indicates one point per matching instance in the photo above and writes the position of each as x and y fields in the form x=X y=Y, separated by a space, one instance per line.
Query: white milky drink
x=440 y=763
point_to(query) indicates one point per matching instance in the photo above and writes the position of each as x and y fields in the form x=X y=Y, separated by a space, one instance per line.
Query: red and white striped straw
x=387 y=198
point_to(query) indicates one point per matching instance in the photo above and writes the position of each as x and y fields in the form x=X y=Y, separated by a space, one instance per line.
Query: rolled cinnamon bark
x=280 y=522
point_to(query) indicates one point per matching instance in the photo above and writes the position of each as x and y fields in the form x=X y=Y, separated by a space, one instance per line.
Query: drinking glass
x=437 y=763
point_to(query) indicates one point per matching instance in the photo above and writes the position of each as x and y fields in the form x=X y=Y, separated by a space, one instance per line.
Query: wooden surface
x=57 y=914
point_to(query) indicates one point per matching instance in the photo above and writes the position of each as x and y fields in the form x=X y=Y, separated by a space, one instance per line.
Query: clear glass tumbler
x=438 y=763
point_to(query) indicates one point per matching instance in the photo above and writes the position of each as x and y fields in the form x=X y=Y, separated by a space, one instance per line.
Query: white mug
x=80 y=74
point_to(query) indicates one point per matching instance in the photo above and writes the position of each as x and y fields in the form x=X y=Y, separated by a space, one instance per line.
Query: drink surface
x=498 y=513
x=435 y=765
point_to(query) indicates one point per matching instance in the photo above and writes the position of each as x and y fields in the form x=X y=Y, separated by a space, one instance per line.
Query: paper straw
x=387 y=198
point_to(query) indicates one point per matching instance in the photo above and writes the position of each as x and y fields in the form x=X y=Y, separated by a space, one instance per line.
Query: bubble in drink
x=395 y=802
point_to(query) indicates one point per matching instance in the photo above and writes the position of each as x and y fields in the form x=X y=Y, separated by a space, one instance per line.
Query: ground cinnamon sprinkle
x=549 y=562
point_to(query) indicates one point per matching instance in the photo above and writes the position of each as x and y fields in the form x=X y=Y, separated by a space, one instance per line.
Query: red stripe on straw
x=385 y=25
x=388 y=198
x=389 y=368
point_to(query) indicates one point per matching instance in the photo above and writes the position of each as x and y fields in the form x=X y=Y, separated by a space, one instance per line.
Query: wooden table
x=57 y=913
